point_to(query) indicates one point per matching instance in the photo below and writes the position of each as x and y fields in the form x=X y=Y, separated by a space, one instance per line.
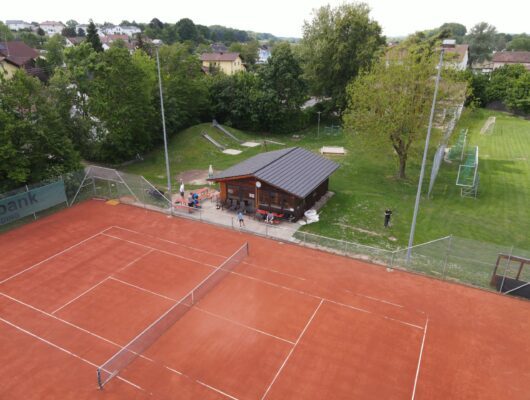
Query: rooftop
x=295 y=170
x=18 y=53
x=522 y=57
x=219 y=56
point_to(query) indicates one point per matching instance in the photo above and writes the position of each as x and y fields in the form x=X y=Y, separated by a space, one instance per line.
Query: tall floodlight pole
x=318 y=131
x=157 y=44
x=425 y=151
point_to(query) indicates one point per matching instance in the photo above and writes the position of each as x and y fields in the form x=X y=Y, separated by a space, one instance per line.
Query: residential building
x=17 y=25
x=130 y=30
x=17 y=55
x=484 y=67
x=229 y=63
x=264 y=53
x=52 y=27
x=503 y=58
x=218 y=48
x=288 y=182
x=107 y=41
x=74 y=41
x=456 y=55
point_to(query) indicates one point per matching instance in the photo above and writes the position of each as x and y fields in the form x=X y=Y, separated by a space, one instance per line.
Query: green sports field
x=365 y=184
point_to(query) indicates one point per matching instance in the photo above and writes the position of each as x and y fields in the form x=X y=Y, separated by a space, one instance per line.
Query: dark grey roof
x=294 y=170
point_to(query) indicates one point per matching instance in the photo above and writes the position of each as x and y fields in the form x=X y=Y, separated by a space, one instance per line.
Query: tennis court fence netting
x=451 y=258
x=153 y=332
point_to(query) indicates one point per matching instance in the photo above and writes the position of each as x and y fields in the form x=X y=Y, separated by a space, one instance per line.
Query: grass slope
x=365 y=184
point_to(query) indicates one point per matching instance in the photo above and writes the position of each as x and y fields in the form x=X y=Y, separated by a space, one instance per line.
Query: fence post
x=448 y=252
x=34 y=215
x=391 y=266
x=232 y=221
x=506 y=270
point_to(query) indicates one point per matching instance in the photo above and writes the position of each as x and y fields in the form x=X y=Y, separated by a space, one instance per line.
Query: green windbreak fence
x=31 y=201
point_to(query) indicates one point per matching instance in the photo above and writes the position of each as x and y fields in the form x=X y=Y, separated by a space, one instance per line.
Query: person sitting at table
x=270 y=218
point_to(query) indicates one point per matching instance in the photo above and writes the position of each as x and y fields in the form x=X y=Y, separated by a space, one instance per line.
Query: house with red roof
x=500 y=59
x=17 y=55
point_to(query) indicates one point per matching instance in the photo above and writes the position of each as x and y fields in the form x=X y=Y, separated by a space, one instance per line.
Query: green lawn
x=365 y=184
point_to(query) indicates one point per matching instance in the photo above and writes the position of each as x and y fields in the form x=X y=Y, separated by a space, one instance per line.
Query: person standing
x=388 y=214
x=240 y=218
x=182 y=189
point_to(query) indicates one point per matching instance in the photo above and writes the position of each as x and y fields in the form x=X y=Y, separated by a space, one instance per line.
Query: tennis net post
x=153 y=332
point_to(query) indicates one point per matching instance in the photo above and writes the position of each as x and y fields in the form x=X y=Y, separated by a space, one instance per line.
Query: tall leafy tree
x=92 y=37
x=34 y=143
x=482 y=40
x=121 y=97
x=185 y=87
x=55 y=51
x=389 y=104
x=520 y=43
x=186 y=30
x=5 y=32
x=336 y=45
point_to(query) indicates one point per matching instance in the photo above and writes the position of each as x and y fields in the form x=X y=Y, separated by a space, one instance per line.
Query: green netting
x=456 y=151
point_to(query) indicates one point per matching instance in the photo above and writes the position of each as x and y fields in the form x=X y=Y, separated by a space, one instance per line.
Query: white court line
x=376 y=299
x=63 y=349
x=200 y=383
x=326 y=299
x=99 y=283
x=419 y=360
x=207 y=252
x=55 y=255
x=82 y=294
x=141 y=288
x=159 y=250
x=292 y=350
x=217 y=390
x=66 y=322
x=133 y=262
x=243 y=325
x=169 y=241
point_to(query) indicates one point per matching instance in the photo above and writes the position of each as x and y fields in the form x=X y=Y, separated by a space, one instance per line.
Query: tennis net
x=148 y=336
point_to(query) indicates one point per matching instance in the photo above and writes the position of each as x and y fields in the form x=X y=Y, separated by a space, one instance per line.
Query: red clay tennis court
x=97 y=282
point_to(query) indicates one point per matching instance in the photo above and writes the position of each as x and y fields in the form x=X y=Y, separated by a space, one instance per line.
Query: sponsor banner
x=27 y=203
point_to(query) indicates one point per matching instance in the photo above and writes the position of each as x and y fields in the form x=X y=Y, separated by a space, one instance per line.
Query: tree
x=5 y=32
x=30 y=39
x=41 y=32
x=186 y=30
x=391 y=104
x=518 y=96
x=282 y=82
x=34 y=143
x=55 y=51
x=481 y=40
x=336 y=45
x=81 y=32
x=71 y=28
x=457 y=31
x=121 y=97
x=92 y=37
x=520 y=43
x=248 y=51
x=185 y=87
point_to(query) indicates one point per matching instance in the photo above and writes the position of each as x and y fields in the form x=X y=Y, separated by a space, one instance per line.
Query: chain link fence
x=450 y=258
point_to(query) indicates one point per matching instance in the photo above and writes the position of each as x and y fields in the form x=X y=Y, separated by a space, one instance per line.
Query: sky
x=280 y=17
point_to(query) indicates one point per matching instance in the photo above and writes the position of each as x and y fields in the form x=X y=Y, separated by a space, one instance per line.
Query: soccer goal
x=468 y=176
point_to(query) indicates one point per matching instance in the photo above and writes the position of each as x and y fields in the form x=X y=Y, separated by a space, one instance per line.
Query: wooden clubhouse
x=286 y=182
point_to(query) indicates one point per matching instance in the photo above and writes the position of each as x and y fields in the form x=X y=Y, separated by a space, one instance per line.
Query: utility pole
x=318 y=131
x=157 y=44
x=425 y=151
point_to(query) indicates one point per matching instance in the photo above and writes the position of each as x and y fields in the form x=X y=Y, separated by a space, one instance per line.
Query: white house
x=52 y=28
x=130 y=30
x=263 y=54
x=17 y=25
x=120 y=30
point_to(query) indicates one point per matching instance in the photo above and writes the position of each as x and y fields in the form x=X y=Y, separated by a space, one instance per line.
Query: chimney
x=449 y=43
